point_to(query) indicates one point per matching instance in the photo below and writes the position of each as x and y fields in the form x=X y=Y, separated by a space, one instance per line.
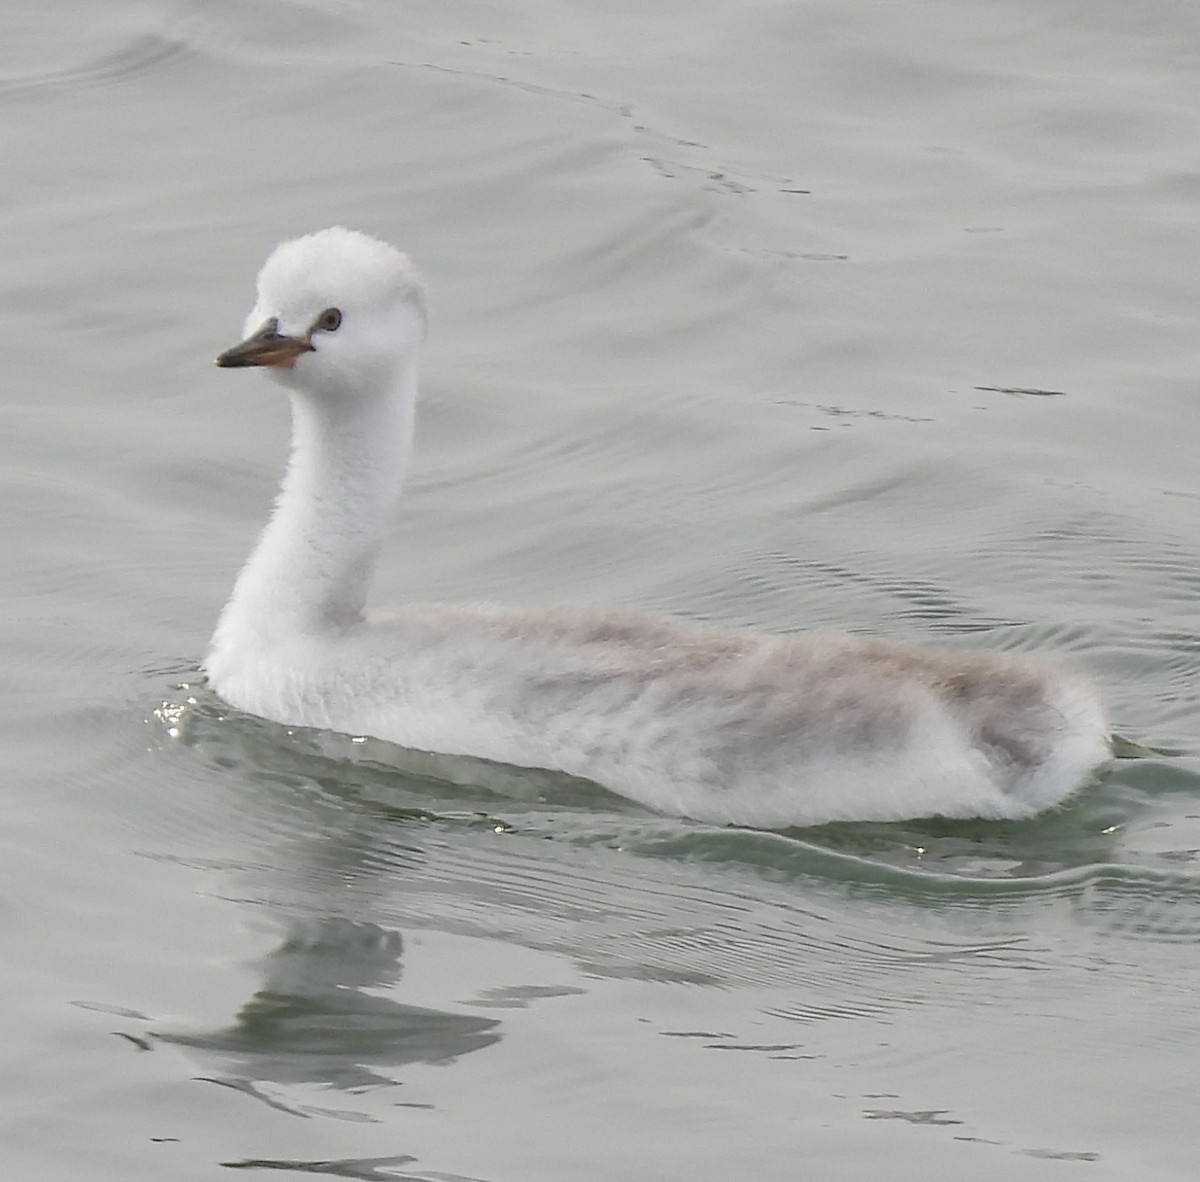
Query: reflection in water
x=368 y=1169
x=312 y=1021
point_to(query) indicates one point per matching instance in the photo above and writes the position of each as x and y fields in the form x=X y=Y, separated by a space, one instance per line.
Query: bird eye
x=329 y=320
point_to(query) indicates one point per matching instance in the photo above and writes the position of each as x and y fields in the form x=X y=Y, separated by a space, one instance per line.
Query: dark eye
x=329 y=320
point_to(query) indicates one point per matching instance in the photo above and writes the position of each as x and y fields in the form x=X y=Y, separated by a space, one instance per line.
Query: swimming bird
x=723 y=726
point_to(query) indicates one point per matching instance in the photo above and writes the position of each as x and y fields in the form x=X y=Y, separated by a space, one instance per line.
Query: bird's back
x=718 y=725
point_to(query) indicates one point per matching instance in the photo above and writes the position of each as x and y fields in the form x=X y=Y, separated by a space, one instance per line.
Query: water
x=828 y=315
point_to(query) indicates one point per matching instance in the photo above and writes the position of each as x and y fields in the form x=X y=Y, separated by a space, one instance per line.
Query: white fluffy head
x=379 y=301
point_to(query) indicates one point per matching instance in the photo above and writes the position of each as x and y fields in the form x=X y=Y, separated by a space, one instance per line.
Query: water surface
x=829 y=315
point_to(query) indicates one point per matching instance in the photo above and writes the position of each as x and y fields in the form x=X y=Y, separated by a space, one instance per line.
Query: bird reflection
x=312 y=1021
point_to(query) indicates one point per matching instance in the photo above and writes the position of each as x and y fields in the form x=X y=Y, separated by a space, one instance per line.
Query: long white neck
x=310 y=569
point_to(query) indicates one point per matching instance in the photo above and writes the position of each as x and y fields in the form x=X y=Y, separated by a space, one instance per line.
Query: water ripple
x=138 y=57
x=844 y=913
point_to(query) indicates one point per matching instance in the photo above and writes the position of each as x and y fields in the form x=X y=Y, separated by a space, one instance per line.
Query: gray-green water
x=838 y=315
